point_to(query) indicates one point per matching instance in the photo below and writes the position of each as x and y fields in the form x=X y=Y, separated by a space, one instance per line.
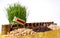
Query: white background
x=39 y=10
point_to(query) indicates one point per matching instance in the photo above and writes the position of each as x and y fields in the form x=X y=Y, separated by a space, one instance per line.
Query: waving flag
x=20 y=21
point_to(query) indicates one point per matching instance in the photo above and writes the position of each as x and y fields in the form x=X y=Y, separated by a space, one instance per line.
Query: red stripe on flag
x=20 y=21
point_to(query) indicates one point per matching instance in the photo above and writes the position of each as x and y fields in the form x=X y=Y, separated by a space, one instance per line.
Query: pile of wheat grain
x=21 y=32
